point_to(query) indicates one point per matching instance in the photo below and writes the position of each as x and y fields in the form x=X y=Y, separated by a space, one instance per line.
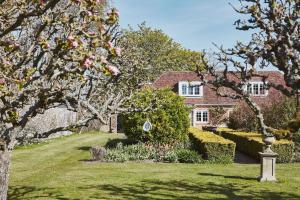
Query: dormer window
x=190 y=89
x=257 y=89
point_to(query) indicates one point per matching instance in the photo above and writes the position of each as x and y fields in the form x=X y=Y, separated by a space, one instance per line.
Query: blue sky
x=193 y=23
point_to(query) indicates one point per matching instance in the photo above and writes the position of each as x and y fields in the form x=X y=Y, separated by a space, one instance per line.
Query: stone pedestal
x=267 y=167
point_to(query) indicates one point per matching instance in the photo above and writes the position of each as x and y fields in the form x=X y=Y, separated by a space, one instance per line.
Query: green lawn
x=58 y=170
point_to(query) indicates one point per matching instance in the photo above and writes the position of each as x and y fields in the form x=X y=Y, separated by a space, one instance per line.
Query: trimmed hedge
x=211 y=145
x=251 y=143
x=281 y=133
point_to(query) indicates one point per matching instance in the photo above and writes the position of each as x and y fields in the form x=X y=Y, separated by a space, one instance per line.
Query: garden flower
x=103 y=60
x=92 y=57
x=75 y=44
x=118 y=51
x=70 y=37
x=110 y=45
x=113 y=70
x=2 y=81
x=47 y=45
x=87 y=63
x=89 y=13
x=6 y=62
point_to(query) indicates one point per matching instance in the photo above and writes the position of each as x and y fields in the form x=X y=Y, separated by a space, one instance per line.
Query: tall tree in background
x=150 y=52
x=274 y=43
x=51 y=54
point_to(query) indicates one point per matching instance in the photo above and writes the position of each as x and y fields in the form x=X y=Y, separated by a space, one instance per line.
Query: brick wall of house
x=210 y=98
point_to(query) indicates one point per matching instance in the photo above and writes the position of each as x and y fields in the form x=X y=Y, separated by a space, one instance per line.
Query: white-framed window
x=190 y=89
x=257 y=89
x=201 y=116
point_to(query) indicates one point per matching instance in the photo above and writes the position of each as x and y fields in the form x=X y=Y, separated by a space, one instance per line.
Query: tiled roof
x=171 y=79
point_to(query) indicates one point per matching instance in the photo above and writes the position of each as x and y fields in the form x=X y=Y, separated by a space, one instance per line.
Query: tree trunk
x=4 y=171
x=259 y=116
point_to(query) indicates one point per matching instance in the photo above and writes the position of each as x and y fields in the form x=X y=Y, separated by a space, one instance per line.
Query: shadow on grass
x=84 y=148
x=155 y=189
x=229 y=177
x=184 y=190
x=30 y=192
x=112 y=143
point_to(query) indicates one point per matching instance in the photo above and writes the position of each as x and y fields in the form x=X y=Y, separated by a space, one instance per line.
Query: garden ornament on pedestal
x=268 y=160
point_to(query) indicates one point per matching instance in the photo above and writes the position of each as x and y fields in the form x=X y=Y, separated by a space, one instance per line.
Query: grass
x=58 y=170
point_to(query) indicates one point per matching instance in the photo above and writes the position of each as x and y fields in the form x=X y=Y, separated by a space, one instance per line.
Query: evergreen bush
x=168 y=115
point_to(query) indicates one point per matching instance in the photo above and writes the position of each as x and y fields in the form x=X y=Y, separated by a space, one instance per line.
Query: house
x=201 y=97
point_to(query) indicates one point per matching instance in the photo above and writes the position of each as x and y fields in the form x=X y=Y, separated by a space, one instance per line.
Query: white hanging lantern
x=147 y=126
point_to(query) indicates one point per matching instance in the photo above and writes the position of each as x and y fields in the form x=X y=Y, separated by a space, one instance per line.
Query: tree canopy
x=275 y=42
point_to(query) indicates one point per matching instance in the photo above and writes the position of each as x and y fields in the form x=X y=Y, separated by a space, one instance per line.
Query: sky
x=195 y=24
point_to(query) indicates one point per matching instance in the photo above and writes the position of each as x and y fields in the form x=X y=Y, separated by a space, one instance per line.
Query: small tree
x=218 y=115
x=243 y=118
x=169 y=117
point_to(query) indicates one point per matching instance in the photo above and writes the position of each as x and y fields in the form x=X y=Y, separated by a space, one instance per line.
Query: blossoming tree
x=52 y=52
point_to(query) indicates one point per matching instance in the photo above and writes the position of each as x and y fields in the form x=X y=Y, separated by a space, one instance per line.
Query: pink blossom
x=70 y=37
x=113 y=70
x=6 y=62
x=87 y=63
x=47 y=45
x=117 y=13
x=75 y=44
x=89 y=13
x=92 y=57
x=2 y=81
x=118 y=51
x=103 y=60
x=110 y=45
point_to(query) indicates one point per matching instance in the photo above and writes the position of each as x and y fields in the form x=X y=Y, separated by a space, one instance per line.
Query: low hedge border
x=212 y=146
x=251 y=143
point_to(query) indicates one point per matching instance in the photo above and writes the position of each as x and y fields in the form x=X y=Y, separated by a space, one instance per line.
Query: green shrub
x=169 y=117
x=281 y=133
x=211 y=145
x=157 y=153
x=188 y=156
x=251 y=143
x=137 y=152
x=278 y=113
x=115 y=155
x=171 y=156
